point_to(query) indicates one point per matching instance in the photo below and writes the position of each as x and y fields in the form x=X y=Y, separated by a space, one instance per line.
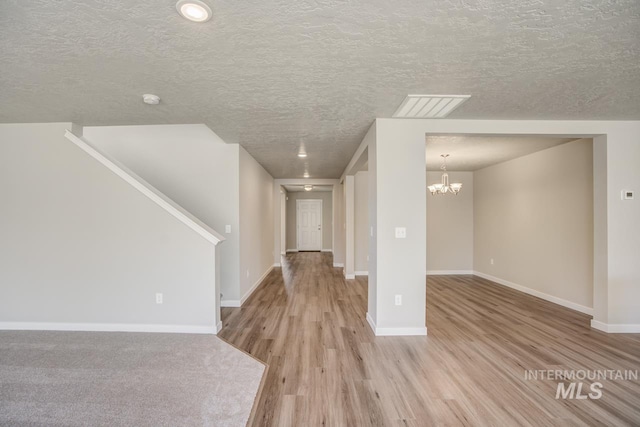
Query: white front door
x=309 y=218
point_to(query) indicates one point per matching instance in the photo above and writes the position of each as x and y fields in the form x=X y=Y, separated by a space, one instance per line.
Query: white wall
x=80 y=248
x=399 y=172
x=282 y=249
x=256 y=223
x=339 y=226
x=450 y=227
x=534 y=218
x=361 y=222
x=193 y=167
x=617 y=154
x=327 y=217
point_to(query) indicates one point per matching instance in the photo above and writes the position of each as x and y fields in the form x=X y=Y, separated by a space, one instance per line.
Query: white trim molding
x=148 y=190
x=361 y=273
x=109 y=327
x=447 y=272
x=233 y=303
x=326 y=250
x=349 y=276
x=338 y=265
x=238 y=303
x=615 y=328
x=255 y=285
x=277 y=264
x=389 y=332
x=541 y=295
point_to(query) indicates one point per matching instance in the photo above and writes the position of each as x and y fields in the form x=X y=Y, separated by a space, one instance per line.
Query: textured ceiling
x=298 y=188
x=470 y=153
x=272 y=75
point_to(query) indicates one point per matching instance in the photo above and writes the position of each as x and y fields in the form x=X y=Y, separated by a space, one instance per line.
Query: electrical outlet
x=158 y=298
x=491 y=261
x=398 y=299
x=371 y=231
x=227 y=229
x=401 y=233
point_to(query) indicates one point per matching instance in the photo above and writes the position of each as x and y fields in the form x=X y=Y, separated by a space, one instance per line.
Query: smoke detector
x=429 y=106
x=151 y=99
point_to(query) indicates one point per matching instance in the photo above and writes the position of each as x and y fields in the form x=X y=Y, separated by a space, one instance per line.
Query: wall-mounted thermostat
x=627 y=195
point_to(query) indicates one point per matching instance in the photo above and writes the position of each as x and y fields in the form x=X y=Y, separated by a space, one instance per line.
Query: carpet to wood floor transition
x=116 y=379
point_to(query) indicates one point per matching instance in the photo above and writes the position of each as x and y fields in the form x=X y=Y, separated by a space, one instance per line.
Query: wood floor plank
x=327 y=368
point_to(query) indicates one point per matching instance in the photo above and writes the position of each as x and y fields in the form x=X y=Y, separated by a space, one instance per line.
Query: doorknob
x=318 y=227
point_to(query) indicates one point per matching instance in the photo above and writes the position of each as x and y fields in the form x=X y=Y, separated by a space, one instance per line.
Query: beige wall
x=361 y=222
x=188 y=163
x=534 y=218
x=450 y=227
x=327 y=217
x=256 y=223
x=82 y=249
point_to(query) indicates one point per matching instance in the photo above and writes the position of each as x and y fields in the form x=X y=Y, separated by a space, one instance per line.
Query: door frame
x=298 y=222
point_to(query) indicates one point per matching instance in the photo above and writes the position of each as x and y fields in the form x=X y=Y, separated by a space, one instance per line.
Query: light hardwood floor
x=327 y=368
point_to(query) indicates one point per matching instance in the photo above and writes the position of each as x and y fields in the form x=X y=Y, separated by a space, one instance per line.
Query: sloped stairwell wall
x=81 y=249
x=220 y=183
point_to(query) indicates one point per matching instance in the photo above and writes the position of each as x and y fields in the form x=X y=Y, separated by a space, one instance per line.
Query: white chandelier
x=444 y=187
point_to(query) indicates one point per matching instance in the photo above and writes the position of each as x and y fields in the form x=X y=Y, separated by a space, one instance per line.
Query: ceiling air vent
x=429 y=106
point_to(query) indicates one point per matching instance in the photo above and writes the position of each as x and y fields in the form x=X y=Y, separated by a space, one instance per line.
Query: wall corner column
x=349 y=203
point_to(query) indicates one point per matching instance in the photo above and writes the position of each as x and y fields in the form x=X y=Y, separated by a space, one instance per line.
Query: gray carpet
x=133 y=379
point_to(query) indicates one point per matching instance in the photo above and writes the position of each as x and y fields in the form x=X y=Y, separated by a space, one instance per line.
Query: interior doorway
x=309 y=222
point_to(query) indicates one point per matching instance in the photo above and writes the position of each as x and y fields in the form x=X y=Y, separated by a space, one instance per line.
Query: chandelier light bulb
x=444 y=187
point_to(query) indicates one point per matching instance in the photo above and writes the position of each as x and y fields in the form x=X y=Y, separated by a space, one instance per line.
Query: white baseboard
x=361 y=273
x=292 y=250
x=230 y=303
x=219 y=326
x=380 y=332
x=277 y=264
x=109 y=327
x=326 y=250
x=541 y=295
x=338 y=265
x=283 y=253
x=615 y=328
x=349 y=276
x=371 y=323
x=447 y=272
x=238 y=303
x=255 y=285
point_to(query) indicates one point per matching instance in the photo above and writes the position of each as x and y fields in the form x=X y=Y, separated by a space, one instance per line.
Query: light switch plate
x=227 y=229
x=401 y=233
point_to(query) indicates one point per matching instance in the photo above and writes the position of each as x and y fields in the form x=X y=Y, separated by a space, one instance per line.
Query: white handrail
x=147 y=189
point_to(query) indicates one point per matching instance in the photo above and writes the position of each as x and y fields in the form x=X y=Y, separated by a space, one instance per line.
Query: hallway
x=327 y=368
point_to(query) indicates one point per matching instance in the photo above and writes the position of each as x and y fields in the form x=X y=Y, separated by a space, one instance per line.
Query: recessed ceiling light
x=306 y=175
x=429 y=106
x=308 y=187
x=151 y=99
x=194 y=10
x=302 y=154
